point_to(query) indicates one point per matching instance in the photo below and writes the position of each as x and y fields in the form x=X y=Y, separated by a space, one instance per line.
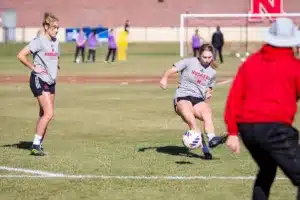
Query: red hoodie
x=265 y=89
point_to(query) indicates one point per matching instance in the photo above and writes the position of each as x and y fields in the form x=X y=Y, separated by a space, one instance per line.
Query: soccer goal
x=243 y=33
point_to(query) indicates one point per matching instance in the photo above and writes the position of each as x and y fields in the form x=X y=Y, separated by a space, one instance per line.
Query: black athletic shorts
x=193 y=100
x=37 y=86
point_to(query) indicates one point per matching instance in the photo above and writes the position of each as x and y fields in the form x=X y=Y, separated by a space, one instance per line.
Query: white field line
x=224 y=82
x=43 y=174
x=29 y=171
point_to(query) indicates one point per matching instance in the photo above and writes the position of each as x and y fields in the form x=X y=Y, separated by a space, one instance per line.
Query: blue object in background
x=102 y=33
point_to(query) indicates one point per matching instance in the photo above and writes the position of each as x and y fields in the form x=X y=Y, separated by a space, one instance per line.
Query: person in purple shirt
x=196 y=43
x=112 y=46
x=80 y=45
x=92 y=44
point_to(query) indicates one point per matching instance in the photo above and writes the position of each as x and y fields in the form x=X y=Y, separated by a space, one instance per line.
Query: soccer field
x=115 y=134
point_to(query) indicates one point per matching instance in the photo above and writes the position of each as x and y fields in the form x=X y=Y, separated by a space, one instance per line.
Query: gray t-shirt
x=45 y=55
x=195 y=79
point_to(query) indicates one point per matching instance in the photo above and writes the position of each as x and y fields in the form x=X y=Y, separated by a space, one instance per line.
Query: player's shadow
x=21 y=145
x=174 y=151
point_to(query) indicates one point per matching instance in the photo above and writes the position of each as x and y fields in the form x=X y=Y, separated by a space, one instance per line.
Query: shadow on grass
x=175 y=151
x=21 y=145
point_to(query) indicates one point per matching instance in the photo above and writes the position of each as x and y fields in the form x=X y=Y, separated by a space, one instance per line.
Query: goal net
x=243 y=33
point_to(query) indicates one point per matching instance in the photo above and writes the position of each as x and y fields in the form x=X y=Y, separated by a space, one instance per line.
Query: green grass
x=143 y=59
x=117 y=130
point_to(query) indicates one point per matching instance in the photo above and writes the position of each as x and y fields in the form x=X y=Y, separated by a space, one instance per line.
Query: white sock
x=37 y=139
x=210 y=136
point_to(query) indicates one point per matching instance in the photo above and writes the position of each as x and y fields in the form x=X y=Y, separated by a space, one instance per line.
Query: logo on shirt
x=52 y=53
x=200 y=77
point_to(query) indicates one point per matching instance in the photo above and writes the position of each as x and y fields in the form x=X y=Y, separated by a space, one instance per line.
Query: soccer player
x=80 y=45
x=112 y=46
x=218 y=43
x=196 y=43
x=92 y=44
x=262 y=104
x=198 y=78
x=45 y=51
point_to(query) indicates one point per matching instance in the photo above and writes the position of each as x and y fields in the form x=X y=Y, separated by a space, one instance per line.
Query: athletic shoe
x=217 y=140
x=37 y=151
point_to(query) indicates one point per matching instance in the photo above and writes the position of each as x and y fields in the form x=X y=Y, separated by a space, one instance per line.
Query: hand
x=233 y=143
x=40 y=70
x=208 y=93
x=163 y=83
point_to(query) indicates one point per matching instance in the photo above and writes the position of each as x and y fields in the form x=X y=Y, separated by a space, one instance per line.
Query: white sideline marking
x=43 y=174
x=224 y=82
x=29 y=171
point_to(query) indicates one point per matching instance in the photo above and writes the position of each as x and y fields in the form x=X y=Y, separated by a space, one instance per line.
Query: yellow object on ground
x=122 y=43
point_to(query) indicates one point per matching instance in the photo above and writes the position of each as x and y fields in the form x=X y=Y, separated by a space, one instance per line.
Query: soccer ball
x=77 y=60
x=191 y=139
x=238 y=55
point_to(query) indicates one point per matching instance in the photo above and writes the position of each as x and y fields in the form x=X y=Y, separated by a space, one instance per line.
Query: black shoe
x=205 y=150
x=207 y=156
x=217 y=140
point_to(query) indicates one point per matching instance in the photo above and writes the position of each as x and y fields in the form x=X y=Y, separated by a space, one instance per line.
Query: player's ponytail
x=208 y=47
x=213 y=64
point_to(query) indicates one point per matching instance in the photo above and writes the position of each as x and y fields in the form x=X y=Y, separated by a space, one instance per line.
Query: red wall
x=144 y=13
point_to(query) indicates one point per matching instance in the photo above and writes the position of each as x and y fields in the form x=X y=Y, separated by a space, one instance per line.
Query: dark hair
x=208 y=47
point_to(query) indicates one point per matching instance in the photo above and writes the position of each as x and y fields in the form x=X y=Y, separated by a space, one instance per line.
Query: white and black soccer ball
x=191 y=139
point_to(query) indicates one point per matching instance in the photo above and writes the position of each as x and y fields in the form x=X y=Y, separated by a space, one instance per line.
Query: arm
x=213 y=39
x=77 y=41
x=169 y=72
x=84 y=41
x=164 y=78
x=210 y=87
x=233 y=103
x=58 y=66
x=33 y=47
x=22 y=56
x=212 y=82
x=222 y=39
x=177 y=67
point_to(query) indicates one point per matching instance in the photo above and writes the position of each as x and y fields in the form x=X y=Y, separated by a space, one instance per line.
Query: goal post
x=237 y=28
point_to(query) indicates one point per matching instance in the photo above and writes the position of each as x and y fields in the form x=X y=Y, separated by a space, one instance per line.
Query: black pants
x=219 y=51
x=272 y=145
x=82 y=50
x=92 y=52
x=109 y=52
x=195 y=51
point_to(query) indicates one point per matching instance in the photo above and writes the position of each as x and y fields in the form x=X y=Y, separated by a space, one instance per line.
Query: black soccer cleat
x=205 y=150
x=217 y=140
x=207 y=156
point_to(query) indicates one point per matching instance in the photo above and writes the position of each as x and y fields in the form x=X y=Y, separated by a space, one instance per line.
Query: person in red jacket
x=261 y=106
